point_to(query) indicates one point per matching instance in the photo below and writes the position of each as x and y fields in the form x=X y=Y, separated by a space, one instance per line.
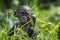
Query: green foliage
x=47 y=22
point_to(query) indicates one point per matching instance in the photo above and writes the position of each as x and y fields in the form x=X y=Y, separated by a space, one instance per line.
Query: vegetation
x=47 y=21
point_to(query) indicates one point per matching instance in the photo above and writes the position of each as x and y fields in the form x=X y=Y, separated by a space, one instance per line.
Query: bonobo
x=24 y=14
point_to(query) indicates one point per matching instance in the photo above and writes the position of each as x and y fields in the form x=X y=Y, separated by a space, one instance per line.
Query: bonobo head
x=23 y=13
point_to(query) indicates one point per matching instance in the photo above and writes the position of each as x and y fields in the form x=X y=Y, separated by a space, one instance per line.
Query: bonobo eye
x=19 y=14
x=24 y=13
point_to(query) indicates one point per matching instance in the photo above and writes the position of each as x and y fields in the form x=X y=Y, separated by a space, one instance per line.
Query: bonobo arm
x=34 y=18
x=11 y=31
x=32 y=32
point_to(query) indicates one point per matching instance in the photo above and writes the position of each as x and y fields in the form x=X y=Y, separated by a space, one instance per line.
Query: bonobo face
x=23 y=16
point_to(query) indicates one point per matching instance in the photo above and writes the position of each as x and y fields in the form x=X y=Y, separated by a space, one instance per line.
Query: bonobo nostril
x=24 y=17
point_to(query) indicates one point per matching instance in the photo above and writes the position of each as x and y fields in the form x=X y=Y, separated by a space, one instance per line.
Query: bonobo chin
x=25 y=15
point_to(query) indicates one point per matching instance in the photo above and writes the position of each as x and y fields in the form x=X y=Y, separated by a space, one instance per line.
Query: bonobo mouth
x=23 y=19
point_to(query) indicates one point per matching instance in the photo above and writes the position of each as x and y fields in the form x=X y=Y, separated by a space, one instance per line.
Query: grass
x=47 y=23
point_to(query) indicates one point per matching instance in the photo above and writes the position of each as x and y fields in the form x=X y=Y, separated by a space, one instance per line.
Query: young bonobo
x=24 y=14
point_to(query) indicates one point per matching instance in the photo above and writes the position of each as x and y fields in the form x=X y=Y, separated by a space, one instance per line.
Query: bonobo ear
x=15 y=13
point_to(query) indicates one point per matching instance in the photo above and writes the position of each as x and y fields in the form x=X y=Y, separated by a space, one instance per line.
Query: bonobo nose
x=24 y=17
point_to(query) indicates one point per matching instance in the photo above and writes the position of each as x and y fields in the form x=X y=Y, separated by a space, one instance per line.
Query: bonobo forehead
x=23 y=9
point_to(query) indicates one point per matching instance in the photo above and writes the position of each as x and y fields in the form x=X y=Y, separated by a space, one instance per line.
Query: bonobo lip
x=23 y=19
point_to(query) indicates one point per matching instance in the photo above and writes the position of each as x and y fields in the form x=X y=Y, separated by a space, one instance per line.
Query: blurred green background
x=47 y=18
